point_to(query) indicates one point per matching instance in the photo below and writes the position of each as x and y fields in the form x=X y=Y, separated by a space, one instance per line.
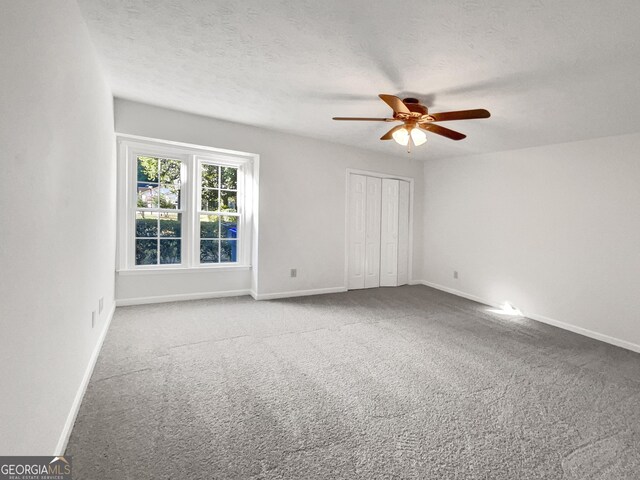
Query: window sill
x=169 y=270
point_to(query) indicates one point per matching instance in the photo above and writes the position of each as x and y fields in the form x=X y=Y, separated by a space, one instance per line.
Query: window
x=158 y=211
x=182 y=206
x=218 y=213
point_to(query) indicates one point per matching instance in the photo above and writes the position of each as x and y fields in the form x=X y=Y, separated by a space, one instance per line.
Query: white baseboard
x=77 y=401
x=459 y=293
x=298 y=293
x=125 y=302
x=587 y=333
x=541 y=318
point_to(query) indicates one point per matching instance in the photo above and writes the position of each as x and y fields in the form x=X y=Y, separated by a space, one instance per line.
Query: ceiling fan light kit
x=402 y=135
x=416 y=119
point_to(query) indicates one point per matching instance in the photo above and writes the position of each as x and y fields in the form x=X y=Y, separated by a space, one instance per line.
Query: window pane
x=228 y=250
x=209 y=251
x=146 y=252
x=170 y=196
x=210 y=176
x=170 y=224
x=229 y=178
x=147 y=169
x=229 y=227
x=169 y=171
x=228 y=201
x=210 y=200
x=146 y=224
x=209 y=226
x=169 y=251
x=147 y=195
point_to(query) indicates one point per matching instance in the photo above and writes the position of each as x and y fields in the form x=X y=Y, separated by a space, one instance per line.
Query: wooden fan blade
x=389 y=134
x=395 y=103
x=460 y=115
x=445 y=132
x=366 y=119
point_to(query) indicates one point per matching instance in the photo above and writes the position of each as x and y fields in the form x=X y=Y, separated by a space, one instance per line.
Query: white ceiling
x=549 y=71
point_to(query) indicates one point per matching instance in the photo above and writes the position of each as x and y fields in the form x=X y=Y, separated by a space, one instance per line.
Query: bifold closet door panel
x=389 y=233
x=372 y=236
x=357 y=230
x=403 y=233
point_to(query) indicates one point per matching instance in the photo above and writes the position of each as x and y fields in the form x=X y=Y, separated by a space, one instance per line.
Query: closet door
x=357 y=217
x=389 y=233
x=403 y=233
x=372 y=235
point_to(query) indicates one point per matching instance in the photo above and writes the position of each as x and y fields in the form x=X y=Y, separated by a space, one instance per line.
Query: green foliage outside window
x=158 y=170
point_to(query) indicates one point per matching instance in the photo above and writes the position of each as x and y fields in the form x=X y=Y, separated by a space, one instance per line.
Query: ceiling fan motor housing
x=414 y=105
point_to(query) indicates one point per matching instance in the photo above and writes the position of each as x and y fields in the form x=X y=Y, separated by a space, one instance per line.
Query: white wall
x=302 y=199
x=57 y=217
x=555 y=230
x=133 y=289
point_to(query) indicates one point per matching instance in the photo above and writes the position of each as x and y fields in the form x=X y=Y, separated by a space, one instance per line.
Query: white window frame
x=191 y=156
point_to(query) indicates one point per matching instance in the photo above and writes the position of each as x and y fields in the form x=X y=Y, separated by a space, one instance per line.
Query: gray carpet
x=394 y=383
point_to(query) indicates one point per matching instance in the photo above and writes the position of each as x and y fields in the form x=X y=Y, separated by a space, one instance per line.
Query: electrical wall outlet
x=100 y=304
x=294 y=272
x=93 y=319
x=455 y=274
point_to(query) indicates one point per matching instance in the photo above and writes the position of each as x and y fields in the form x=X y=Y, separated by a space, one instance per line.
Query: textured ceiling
x=548 y=71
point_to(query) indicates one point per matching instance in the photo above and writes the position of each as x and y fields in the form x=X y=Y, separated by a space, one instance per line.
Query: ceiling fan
x=416 y=119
